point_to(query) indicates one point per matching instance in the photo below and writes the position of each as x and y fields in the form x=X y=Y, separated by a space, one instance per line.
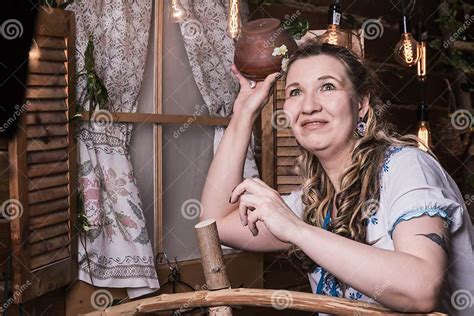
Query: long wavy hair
x=359 y=188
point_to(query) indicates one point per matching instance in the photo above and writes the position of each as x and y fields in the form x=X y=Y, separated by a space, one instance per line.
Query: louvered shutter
x=279 y=146
x=43 y=163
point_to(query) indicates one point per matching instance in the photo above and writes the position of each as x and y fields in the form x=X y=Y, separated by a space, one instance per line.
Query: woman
x=376 y=219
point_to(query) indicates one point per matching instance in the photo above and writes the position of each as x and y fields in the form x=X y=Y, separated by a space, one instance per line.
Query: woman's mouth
x=312 y=125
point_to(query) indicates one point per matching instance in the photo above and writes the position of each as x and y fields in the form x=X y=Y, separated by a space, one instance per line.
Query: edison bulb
x=421 y=65
x=424 y=134
x=234 y=22
x=333 y=36
x=406 y=51
x=177 y=12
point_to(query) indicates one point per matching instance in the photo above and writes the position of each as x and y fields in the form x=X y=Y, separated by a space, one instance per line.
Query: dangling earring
x=361 y=126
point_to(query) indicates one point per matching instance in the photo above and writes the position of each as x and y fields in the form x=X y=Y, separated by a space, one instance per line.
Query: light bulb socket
x=422 y=112
x=334 y=16
x=405 y=26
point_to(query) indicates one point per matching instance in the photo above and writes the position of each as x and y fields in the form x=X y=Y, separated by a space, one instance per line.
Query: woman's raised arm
x=226 y=169
x=227 y=166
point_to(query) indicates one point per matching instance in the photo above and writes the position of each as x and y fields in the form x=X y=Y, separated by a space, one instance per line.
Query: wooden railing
x=277 y=299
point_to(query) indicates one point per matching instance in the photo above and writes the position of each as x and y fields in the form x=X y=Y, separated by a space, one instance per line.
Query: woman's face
x=320 y=102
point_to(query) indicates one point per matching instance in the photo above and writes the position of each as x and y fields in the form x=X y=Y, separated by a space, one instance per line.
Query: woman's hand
x=253 y=100
x=262 y=203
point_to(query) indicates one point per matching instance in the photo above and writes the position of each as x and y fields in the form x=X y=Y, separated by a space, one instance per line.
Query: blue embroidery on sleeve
x=388 y=154
x=420 y=212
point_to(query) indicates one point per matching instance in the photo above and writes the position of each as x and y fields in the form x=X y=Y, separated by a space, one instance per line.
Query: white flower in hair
x=280 y=51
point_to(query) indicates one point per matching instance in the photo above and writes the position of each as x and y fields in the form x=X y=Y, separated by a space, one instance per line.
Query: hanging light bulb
x=333 y=35
x=421 y=65
x=406 y=50
x=234 y=22
x=178 y=12
x=424 y=134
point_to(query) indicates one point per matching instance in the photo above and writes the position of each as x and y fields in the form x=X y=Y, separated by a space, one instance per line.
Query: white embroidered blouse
x=413 y=184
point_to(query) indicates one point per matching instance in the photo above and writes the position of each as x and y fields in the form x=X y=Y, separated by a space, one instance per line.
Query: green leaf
x=297 y=28
x=95 y=91
x=436 y=43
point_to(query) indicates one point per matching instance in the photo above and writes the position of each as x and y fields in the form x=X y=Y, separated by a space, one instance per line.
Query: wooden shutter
x=279 y=147
x=43 y=163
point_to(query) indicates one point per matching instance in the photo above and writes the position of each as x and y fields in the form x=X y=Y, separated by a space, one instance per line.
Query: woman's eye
x=328 y=86
x=295 y=92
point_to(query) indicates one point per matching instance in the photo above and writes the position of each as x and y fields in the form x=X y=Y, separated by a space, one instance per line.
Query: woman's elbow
x=426 y=299
x=425 y=305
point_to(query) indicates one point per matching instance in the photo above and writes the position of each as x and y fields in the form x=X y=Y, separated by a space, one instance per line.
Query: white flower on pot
x=280 y=51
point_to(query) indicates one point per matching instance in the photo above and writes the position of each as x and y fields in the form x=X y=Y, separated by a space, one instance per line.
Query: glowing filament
x=424 y=135
x=233 y=20
x=332 y=38
x=421 y=66
x=408 y=51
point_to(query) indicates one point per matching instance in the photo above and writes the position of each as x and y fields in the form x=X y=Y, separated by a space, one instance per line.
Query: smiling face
x=321 y=103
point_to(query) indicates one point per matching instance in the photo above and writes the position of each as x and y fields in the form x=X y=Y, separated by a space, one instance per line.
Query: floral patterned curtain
x=211 y=54
x=116 y=250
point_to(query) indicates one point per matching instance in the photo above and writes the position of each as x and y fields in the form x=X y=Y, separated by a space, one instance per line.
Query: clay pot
x=254 y=48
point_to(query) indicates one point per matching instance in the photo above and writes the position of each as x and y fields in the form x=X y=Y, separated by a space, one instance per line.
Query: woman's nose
x=311 y=103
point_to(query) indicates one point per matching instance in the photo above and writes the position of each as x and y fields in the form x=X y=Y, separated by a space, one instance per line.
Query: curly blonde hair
x=359 y=187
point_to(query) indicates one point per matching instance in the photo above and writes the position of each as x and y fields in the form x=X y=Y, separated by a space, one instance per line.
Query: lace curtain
x=211 y=54
x=116 y=251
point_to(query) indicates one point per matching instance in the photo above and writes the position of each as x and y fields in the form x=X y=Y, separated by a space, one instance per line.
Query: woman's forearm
x=395 y=279
x=226 y=168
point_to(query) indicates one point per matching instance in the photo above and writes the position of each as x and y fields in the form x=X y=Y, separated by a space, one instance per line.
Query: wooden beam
x=277 y=299
x=152 y=118
x=158 y=129
x=467 y=46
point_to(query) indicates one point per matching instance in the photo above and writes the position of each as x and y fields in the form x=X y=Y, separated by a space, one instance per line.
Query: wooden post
x=212 y=262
